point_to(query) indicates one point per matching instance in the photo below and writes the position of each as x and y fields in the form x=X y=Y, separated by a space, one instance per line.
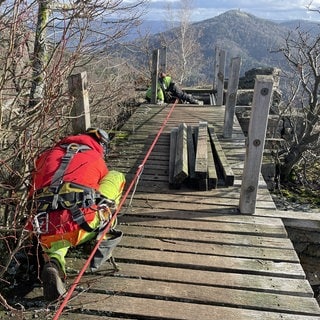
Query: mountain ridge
x=257 y=41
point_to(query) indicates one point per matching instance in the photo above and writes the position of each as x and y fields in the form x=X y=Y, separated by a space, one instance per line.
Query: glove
x=169 y=96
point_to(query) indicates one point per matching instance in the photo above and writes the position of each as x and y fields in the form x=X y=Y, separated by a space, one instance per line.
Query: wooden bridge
x=189 y=254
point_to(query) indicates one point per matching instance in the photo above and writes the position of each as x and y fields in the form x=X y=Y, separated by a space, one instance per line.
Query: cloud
x=267 y=9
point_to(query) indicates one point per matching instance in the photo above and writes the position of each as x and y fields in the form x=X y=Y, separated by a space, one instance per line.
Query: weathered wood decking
x=189 y=254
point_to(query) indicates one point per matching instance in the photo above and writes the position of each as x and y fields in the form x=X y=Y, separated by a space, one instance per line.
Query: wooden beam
x=78 y=88
x=163 y=59
x=255 y=143
x=212 y=172
x=181 y=171
x=231 y=97
x=172 y=156
x=220 y=74
x=201 y=166
x=154 y=76
x=191 y=154
x=221 y=159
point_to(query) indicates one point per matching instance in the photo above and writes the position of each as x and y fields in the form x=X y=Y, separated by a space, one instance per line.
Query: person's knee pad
x=112 y=185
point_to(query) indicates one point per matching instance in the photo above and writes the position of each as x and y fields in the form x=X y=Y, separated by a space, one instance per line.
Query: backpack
x=60 y=195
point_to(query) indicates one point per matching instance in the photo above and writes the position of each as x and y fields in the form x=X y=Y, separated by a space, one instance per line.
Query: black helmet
x=101 y=135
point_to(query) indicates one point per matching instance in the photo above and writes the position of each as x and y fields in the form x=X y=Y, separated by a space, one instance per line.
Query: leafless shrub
x=302 y=105
x=41 y=44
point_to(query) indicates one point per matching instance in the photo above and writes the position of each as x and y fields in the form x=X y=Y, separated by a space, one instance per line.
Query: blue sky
x=266 y=9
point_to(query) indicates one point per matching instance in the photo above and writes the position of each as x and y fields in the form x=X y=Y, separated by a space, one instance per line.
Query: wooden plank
x=205 y=216
x=312 y=218
x=143 y=147
x=147 y=308
x=151 y=177
x=214 y=263
x=221 y=159
x=197 y=197
x=207 y=205
x=201 y=153
x=193 y=293
x=191 y=154
x=201 y=165
x=220 y=193
x=172 y=157
x=181 y=157
x=212 y=173
x=208 y=237
x=238 y=228
x=139 y=157
x=220 y=208
x=262 y=195
x=199 y=203
x=297 y=287
x=274 y=254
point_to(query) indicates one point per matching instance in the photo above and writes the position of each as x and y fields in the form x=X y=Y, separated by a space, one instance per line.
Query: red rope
x=138 y=172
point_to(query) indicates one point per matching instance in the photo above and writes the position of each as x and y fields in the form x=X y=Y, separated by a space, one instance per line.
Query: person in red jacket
x=72 y=196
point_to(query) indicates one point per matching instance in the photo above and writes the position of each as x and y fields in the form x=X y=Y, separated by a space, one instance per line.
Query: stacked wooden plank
x=197 y=159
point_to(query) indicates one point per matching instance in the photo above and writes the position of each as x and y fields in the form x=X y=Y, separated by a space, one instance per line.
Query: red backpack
x=65 y=182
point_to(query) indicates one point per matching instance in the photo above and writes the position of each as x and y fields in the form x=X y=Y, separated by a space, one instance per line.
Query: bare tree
x=181 y=40
x=302 y=128
x=184 y=58
x=42 y=43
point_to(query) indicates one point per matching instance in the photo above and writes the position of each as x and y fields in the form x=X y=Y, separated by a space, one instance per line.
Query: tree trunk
x=39 y=54
x=293 y=156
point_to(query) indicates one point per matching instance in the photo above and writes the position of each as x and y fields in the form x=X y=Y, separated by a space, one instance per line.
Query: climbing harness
x=66 y=195
x=114 y=217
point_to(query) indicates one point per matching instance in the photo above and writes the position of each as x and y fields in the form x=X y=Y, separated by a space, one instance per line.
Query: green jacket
x=160 y=94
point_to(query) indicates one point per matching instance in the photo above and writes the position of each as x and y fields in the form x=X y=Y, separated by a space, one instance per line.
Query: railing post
x=255 y=143
x=231 y=97
x=78 y=88
x=220 y=63
x=154 y=75
x=163 y=59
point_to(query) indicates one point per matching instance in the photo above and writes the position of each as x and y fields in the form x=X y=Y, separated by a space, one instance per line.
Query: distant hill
x=312 y=27
x=241 y=34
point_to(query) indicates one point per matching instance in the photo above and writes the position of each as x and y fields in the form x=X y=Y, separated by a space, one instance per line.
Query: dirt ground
x=310 y=259
x=311 y=266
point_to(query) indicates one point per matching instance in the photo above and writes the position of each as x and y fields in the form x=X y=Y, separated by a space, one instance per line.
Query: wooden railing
x=257 y=127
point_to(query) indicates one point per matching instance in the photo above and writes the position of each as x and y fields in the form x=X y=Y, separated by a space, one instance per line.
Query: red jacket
x=86 y=168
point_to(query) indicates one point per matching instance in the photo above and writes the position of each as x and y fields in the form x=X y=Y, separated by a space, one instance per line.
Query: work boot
x=53 y=286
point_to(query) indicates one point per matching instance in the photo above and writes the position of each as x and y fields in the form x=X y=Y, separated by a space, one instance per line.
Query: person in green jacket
x=168 y=91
